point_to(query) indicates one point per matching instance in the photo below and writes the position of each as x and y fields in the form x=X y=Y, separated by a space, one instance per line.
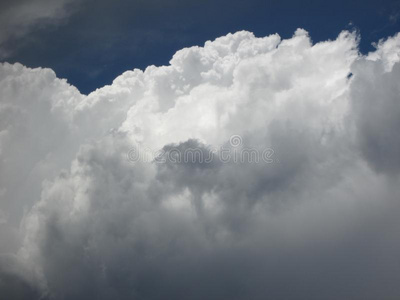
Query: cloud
x=15 y=280
x=18 y=18
x=318 y=219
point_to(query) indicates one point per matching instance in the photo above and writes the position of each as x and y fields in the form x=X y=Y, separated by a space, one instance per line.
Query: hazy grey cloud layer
x=318 y=221
x=19 y=18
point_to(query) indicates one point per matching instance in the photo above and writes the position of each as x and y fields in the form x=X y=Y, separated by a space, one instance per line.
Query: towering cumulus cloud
x=250 y=168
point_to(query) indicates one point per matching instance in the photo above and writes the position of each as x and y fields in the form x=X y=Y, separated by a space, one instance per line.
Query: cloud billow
x=318 y=221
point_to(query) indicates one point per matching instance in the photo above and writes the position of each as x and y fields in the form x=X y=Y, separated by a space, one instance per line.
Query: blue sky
x=101 y=39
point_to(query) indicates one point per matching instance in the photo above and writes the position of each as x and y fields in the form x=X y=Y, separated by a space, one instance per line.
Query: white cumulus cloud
x=317 y=220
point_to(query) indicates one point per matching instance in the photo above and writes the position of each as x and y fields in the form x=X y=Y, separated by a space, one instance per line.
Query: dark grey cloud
x=16 y=281
x=21 y=17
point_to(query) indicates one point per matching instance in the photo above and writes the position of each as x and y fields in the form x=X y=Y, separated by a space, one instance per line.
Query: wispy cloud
x=19 y=18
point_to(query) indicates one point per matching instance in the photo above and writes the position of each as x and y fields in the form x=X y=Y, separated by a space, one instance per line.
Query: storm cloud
x=318 y=219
